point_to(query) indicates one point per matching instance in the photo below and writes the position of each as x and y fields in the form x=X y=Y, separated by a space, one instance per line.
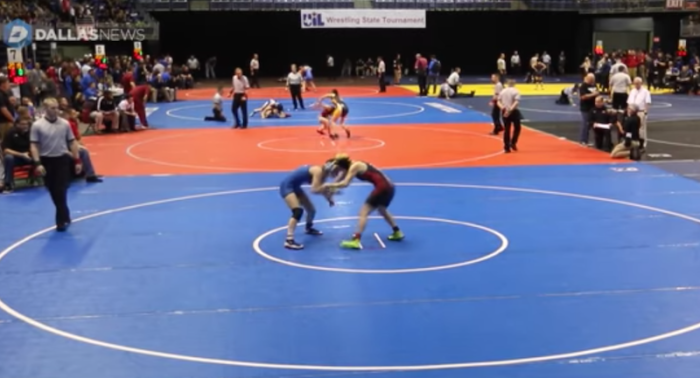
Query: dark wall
x=470 y=40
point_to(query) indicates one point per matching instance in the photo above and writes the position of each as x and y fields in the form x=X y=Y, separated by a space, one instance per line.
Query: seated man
x=15 y=149
x=106 y=112
x=169 y=87
x=684 y=81
x=127 y=115
x=71 y=116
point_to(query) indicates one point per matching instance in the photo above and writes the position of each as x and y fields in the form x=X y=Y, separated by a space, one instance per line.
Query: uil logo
x=312 y=20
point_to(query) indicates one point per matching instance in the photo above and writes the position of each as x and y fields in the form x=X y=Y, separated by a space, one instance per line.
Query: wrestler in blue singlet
x=293 y=182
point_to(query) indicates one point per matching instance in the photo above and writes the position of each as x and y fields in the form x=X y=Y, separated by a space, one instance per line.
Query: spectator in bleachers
x=7 y=110
x=106 y=112
x=127 y=115
x=684 y=81
x=88 y=172
x=15 y=151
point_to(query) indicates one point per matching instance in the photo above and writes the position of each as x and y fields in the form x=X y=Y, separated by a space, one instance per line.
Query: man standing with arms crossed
x=640 y=98
x=52 y=146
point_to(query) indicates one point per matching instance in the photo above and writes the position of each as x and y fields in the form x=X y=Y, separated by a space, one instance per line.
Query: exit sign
x=674 y=4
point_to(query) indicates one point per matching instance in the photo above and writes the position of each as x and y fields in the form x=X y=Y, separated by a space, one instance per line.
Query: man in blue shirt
x=434 y=68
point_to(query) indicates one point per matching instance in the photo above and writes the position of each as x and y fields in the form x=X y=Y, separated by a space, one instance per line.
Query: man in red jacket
x=140 y=95
x=631 y=62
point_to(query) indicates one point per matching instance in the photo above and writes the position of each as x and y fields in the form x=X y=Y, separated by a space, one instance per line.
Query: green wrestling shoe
x=396 y=236
x=351 y=244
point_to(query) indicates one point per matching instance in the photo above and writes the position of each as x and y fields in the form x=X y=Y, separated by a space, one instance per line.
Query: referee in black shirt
x=602 y=120
x=587 y=93
x=240 y=98
x=52 y=145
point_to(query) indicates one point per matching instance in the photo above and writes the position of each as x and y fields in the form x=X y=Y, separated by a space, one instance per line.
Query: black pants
x=603 y=139
x=619 y=101
x=422 y=84
x=382 y=82
x=218 y=116
x=496 y=117
x=57 y=181
x=297 y=100
x=254 y=79
x=511 y=121
x=240 y=103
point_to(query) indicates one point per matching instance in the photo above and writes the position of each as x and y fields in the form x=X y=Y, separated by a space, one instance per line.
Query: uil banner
x=363 y=19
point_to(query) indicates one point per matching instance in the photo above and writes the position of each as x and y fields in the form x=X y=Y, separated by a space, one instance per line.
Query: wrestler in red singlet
x=379 y=199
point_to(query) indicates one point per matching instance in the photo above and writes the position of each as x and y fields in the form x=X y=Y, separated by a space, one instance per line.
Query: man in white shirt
x=381 y=74
x=618 y=65
x=508 y=102
x=330 y=63
x=453 y=82
x=127 y=115
x=620 y=83
x=641 y=99
x=254 y=71
x=501 y=65
x=515 y=62
x=193 y=65
x=547 y=60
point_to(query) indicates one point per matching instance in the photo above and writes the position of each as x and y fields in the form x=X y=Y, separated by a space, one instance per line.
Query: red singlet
x=375 y=177
x=327 y=111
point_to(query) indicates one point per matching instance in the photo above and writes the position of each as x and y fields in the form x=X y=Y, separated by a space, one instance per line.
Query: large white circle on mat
x=325 y=144
x=313 y=116
x=272 y=365
x=490 y=255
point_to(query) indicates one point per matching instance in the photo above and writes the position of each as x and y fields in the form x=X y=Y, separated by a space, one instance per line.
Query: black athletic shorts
x=345 y=112
x=619 y=101
x=381 y=197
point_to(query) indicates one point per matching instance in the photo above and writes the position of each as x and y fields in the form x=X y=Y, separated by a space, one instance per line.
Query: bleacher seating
x=538 y=5
x=128 y=11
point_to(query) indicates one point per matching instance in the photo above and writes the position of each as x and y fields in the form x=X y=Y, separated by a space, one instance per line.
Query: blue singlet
x=293 y=182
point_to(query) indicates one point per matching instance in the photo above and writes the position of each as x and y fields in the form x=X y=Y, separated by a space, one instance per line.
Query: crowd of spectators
x=103 y=98
x=657 y=69
x=46 y=12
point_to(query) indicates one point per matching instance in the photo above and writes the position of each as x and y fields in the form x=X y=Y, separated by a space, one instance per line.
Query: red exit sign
x=675 y=4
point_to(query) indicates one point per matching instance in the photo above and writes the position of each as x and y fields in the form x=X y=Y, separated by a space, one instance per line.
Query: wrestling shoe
x=313 y=231
x=396 y=236
x=291 y=244
x=351 y=244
